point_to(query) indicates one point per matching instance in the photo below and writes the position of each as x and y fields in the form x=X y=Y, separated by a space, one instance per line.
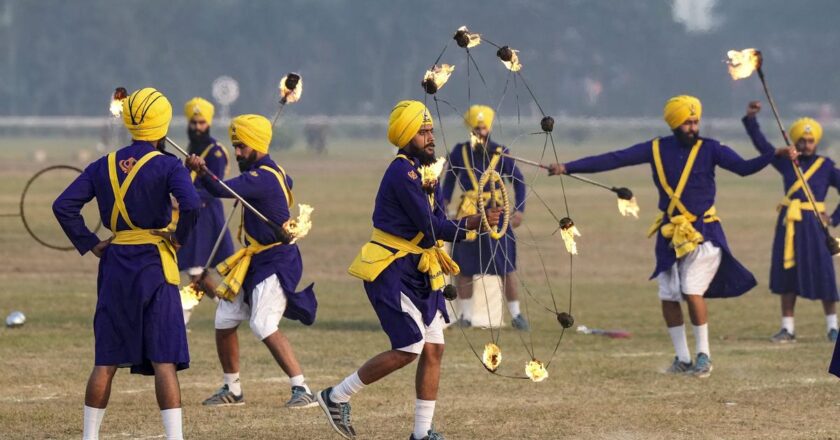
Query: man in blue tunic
x=484 y=255
x=261 y=278
x=403 y=268
x=138 y=321
x=192 y=256
x=801 y=263
x=693 y=260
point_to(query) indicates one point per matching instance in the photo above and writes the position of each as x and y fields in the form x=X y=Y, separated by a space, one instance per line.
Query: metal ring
x=23 y=214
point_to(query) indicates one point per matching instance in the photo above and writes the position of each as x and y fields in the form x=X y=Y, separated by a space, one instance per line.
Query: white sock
x=831 y=321
x=465 y=306
x=701 y=338
x=93 y=420
x=513 y=306
x=299 y=381
x=342 y=392
x=680 y=342
x=172 y=423
x=424 y=411
x=233 y=383
x=787 y=323
x=187 y=314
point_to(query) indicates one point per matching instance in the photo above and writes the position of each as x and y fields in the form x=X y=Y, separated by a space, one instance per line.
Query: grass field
x=598 y=388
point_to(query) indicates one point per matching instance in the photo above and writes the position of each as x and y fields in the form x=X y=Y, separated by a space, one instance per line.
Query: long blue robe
x=484 y=255
x=813 y=275
x=261 y=189
x=196 y=250
x=403 y=209
x=138 y=316
x=732 y=278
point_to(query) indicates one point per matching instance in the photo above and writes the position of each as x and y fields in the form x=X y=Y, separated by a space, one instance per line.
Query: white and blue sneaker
x=703 y=366
x=520 y=323
x=338 y=414
x=432 y=435
x=301 y=399
x=832 y=335
x=783 y=336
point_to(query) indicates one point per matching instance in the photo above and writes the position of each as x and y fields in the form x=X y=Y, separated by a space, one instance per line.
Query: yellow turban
x=199 y=107
x=252 y=130
x=679 y=108
x=406 y=119
x=146 y=114
x=806 y=126
x=479 y=114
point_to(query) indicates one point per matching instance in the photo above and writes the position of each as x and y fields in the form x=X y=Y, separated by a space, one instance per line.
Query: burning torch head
x=291 y=88
x=742 y=63
x=566 y=320
x=466 y=39
x=436 y=77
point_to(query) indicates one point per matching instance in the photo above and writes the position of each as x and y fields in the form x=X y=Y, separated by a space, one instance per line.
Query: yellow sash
x=794 y=212
x=235 y=267
x=469 y=198
x=137 y=236
x=684 y=237
x=375 y=257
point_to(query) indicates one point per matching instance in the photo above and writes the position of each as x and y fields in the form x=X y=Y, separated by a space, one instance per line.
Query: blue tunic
x=196 y=250
x=138 y=316
x=402 y=208
x=813 y=275
x=484 y=255
x=732 y=279
x=261 y=189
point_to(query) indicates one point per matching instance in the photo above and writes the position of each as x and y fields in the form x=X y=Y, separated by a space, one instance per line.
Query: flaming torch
x=291 y=87
x=436 y=77
x=492 y=356
x=535 y=370
x=742 y=64
x=466 y=39
x=568 y=232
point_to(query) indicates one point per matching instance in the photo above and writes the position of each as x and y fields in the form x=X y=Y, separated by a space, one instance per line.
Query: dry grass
x=598 y=388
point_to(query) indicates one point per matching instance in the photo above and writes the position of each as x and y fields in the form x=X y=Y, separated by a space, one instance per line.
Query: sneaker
x=432 y=435
x=703 y=366
x=224 y=397
x=463 y=323
x=783 y=337
x=338 y=414
x=679 y=367
x=832 y=335
x=301 y=399
x=520 y=323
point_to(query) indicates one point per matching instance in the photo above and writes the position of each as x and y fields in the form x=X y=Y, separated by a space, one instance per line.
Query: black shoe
x=338 y=414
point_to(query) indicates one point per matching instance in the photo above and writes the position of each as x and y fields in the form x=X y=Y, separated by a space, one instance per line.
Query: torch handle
x=573 y=176
x=220 y=238
x=225 y=186
x=806 y=188
x=278 y=112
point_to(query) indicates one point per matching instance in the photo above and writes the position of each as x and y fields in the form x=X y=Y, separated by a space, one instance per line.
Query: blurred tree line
x=581 y=57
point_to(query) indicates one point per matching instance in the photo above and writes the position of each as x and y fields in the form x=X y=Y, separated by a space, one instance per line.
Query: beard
x=687 y=139
x=161 y=145
x=198 y=139
x=245 y=163
x=421 y=155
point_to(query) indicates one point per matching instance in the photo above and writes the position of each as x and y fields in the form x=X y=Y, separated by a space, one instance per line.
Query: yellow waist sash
x=167 y=252
x=234 y=268
x=375 y=258
x=680 y=230
x=793 y=215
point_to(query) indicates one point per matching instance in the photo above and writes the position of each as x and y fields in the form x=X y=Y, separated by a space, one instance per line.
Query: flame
x=742 y=63
x=299 y=227
x=190 y=297
x=116 y=108
x=439 y=74
x=535 y=370
x=431 y=173
x=492 y=356
x=474 y=38
x=568 y=235
x=513 y=65
x=290 y=95
x=628 y=207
